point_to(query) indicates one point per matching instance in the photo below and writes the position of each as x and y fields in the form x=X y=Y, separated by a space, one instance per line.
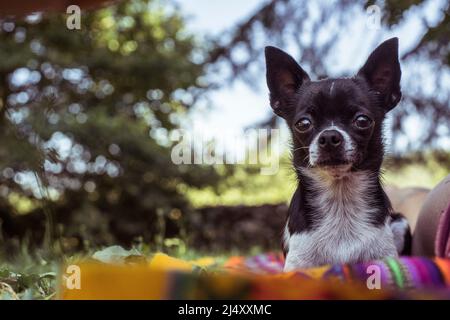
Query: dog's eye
x=363 y=122
x=303 y=125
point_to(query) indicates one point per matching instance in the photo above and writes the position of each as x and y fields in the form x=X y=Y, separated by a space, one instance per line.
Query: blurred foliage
x=86 y=117
x=434 y=42
x=420 y=169
x=246 y=186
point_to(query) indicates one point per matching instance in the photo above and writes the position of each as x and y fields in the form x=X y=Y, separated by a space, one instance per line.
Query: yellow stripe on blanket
x=125 y=281
x=100 y=281
x=113 y=282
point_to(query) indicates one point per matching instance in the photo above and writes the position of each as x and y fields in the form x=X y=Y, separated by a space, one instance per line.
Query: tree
x=86 y=117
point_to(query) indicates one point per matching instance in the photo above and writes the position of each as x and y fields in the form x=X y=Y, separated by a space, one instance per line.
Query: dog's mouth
x=334 y=168
x=331 y=163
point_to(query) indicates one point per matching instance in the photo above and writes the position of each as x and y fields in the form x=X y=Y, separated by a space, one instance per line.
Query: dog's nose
x=330 y=138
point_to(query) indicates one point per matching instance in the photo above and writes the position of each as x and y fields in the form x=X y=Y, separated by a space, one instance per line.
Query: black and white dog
x=339 y=212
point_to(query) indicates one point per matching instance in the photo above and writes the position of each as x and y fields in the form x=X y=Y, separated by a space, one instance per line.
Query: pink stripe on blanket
x=442 y=242
x=265 y=263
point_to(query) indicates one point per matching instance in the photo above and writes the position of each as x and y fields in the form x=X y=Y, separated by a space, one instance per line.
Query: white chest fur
x=343 y=230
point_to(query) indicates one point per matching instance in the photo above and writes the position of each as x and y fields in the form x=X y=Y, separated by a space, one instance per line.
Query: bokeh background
x=87 y=115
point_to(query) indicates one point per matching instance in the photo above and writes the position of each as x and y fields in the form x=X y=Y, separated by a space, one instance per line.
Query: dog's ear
x=284 y=77
x=382 y=72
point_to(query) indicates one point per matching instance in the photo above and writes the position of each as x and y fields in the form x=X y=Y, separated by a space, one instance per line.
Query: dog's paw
x=402 y=233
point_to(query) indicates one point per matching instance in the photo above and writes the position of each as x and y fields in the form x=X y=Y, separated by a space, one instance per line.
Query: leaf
x=115 y=255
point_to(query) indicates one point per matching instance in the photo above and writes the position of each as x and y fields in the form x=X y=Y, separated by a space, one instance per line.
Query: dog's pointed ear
x=284 y=77
x=382 y=72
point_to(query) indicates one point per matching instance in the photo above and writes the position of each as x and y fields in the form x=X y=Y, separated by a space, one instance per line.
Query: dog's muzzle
x=332 y=147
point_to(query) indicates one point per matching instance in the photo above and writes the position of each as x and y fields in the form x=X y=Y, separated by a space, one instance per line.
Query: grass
x=32 y=276
x=416 y=176
x=28 y=278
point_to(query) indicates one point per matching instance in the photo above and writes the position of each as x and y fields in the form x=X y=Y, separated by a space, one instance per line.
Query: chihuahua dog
x=339 y=212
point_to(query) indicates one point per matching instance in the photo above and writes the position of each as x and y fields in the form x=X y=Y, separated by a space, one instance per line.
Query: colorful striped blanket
x=259 y=277
x=401 y=273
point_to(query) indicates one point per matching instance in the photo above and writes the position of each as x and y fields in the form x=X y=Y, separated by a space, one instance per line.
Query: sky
x=212 y=17
x=239 y=106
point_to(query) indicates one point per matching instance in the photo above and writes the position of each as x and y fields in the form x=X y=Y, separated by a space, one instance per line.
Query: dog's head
x=336 y=124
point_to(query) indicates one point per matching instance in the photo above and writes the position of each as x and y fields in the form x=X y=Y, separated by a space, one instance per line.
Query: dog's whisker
x=300 y=148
